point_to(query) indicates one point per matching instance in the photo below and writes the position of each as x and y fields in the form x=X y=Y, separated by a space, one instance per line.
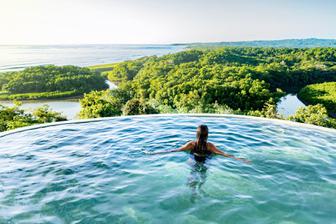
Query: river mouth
x=100 y=172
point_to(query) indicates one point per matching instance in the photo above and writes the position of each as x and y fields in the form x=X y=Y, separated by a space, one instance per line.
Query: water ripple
x=99 y=172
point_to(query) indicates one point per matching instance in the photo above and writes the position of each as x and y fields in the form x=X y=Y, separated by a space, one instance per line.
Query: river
x=16 y=57
x=288 y=105
x=70 y=108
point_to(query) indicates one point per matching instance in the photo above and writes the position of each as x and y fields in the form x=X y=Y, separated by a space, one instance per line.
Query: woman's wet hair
x=202 y=138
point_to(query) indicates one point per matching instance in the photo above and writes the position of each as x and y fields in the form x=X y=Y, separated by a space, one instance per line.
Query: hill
x=49 y=81
x=288 y=43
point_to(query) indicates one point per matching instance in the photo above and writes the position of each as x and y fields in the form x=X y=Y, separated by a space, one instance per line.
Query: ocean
x=16 y=57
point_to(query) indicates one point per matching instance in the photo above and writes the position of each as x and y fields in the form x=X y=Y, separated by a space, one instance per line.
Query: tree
x=52 y=79
x=14 y=117
x=44 y=114
x=220 y=80
x=137 y=107
x=321 y=93
x=313 y=114
x=268 y=111
x=103 y=103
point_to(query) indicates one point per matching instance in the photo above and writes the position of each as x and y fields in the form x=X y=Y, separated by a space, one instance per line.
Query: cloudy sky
x=163 y=21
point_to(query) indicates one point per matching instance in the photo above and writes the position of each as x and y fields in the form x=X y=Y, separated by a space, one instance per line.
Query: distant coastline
x=241 y=80
x=18 y=57
x=290 y=43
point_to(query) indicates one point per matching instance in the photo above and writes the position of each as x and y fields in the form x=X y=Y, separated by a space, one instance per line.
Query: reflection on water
x=97 y=172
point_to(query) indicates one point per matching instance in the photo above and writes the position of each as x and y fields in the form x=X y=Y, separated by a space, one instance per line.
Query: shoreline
x=69 y=99
x=135 y=51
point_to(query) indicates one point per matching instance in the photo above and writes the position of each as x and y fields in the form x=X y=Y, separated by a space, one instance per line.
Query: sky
x=163 y=21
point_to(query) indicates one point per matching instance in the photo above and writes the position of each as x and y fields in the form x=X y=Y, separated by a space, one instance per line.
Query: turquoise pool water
x=100 y=172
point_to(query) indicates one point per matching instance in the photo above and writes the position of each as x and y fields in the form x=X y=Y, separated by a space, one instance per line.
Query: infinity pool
x=101 y=172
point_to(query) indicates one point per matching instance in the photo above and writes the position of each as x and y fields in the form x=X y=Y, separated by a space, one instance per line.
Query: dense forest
x=288 y=43
x=248 y=81
x=49 y=81
x=322 y=93
x=239 y=80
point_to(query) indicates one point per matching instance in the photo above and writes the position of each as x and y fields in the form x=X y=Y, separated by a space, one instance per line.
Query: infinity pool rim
x=275 y=121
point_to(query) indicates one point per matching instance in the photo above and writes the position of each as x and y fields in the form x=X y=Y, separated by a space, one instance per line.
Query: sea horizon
x=17 y=57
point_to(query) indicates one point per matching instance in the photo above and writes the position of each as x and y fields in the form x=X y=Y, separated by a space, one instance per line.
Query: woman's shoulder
x=192 y=143
x=189 y=143
x=210 y=145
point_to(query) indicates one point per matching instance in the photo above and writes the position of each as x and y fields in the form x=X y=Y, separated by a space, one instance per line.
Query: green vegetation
x=314 y=114
x=44 y=114
x=116 y=72
x=49 y=81
x=103 y=103
x=205 y=80
x=35 y=96
x=14 y=117
x=323 y=93
x=268 y=111
x=136 y=106
x=211 y=80
x=102 y=67
x=290 y=43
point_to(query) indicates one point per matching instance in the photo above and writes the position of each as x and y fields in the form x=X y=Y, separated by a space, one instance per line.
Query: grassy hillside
x=102 y=67
x=322 y=93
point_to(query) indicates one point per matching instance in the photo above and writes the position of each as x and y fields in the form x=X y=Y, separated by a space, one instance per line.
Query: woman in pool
x=201 y=149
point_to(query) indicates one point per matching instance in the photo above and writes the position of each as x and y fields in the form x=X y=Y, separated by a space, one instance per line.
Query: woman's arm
x=187 y=146
x=215 y=150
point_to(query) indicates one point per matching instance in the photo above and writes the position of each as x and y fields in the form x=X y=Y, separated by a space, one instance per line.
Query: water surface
x=100 y=172
x=15 y=57
x=288 y=105
x=68 y=108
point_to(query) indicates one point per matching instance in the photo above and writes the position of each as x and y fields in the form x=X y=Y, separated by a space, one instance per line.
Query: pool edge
x=278 y=121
